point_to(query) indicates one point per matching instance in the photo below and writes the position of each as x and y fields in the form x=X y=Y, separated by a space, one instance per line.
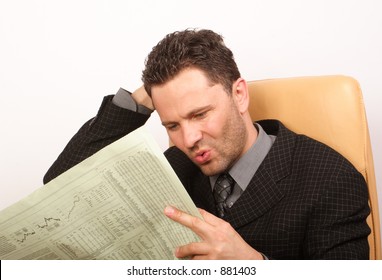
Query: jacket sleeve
x=337 y=228
x=110 y=124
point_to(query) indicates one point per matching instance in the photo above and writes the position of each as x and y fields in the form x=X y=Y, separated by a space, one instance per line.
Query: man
x=280 y=195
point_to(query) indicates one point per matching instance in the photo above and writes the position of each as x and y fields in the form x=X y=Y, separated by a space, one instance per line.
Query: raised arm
x=118 y=115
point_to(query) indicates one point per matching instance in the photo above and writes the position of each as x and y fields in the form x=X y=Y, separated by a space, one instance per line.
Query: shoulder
x=305 y=149
x=307 y=163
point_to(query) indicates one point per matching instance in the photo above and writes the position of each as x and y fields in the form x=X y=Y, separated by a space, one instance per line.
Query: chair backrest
x=331 y=110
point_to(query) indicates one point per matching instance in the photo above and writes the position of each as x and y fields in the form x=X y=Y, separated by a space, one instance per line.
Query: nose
x=191 y=135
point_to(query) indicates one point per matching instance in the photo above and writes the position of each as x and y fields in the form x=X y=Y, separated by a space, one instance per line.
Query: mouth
x=202 y=157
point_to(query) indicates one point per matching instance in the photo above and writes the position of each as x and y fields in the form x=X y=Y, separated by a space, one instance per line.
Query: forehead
x=187 y=84
x=189 y=79
x=187 y=90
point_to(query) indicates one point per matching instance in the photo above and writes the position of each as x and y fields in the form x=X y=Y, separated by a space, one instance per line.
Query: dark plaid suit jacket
x=305 y=201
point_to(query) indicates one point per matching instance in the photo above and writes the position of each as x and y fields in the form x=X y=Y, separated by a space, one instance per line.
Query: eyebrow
x=191 y=113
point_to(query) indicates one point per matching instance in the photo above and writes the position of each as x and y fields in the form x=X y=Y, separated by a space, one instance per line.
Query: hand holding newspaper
x=110 y=206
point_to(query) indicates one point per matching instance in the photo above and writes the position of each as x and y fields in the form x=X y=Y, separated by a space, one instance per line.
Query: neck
x=251 y=131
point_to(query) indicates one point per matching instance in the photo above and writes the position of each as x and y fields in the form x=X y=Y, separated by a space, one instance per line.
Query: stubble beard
x=229 y=148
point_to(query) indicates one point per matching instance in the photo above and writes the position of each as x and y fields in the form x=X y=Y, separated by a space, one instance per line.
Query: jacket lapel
x=264 y=192
x=260 y=196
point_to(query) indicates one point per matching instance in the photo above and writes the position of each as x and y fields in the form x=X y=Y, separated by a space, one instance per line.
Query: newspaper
x=110 y=206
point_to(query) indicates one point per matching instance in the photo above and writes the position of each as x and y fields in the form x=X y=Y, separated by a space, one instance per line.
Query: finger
x=210 y=218
x=196 y=224
x=192 y=250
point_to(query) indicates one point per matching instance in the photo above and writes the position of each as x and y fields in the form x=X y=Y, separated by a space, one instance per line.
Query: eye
x=200 y=115
x=172 y=127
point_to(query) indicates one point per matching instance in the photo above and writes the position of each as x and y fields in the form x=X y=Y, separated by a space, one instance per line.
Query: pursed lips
x=201 y=157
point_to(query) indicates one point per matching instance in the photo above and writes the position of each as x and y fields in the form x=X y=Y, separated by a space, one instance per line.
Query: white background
x=223 y=269
x=59 y=58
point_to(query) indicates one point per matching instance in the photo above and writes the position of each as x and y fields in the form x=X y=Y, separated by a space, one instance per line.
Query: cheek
x=215 y=126
x=212 y=130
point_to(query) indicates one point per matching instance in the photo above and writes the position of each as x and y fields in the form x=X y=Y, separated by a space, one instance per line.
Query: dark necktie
x=222 y=189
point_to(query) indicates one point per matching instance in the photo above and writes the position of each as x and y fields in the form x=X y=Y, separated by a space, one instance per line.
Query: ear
x=240 y=95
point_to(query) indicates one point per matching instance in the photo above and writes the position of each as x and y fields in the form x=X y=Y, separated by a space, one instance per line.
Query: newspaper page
x=110 y=206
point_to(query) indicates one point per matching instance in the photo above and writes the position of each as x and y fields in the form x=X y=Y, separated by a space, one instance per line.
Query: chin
x=209 y=170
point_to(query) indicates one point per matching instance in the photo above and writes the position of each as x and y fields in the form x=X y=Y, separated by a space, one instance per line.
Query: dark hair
x=201 y=49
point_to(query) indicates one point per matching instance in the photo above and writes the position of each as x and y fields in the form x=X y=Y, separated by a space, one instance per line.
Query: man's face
x=202 y=120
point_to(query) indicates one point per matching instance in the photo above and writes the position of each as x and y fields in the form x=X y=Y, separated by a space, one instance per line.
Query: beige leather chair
x=329 y=109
